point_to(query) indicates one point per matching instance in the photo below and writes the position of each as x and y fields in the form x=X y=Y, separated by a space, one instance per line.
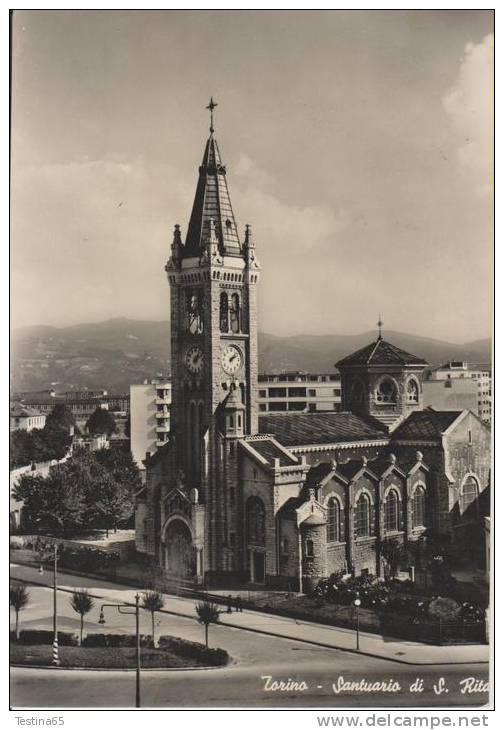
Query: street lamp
x=136 y=612
x=357 y=603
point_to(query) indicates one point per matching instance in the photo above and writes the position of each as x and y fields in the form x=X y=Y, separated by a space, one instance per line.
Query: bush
x=190 y=649
x=194 y=650
x=41 y=636
x=115 y=640
x=16 y=543
x=214 y=657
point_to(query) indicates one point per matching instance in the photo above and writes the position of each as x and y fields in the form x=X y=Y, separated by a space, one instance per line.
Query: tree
x=19 y=598
x=394 y=555
x=82 y=603
x=82 y=493
x=153 y=601
x=61 y=417
x=208 y=613
x=122 y=466
x=101 y=421
x=54 y=503
x=38 y=445
x=108 y=502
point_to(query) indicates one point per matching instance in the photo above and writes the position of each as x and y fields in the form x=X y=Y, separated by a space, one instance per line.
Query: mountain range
x=114 y=353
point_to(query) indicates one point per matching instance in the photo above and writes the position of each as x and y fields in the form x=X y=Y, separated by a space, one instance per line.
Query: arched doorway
x=180 y=558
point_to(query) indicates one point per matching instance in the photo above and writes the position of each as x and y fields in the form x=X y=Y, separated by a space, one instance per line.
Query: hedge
x=42 y=636
x=194 y=650
x=116 y=640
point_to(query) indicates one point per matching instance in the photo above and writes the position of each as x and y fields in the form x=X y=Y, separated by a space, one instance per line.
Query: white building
x=23 y=417
x=150 y=418
x=482 y=377
x=297 y=391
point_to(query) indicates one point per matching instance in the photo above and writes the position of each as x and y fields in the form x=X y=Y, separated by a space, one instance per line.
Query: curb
x=116 y=669
x=282 y=636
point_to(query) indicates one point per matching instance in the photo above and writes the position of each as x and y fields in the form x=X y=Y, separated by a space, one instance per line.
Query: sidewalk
x=317 y=634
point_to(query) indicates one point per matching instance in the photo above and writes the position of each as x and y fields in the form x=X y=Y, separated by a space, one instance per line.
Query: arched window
x=386 y=391
x=412 y=391
x=224 y=312
x=392 y=511
x=418 y=507
x=256 y=520
x=333 y=520
x=363 y=516
x=469 y=496
x=309 y=549
x=235 y=313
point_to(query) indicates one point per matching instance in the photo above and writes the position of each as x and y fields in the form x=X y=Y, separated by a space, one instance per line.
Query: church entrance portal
x=180 y=558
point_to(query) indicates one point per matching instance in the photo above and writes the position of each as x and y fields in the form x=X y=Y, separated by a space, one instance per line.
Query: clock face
x=231 y=360
x=194 y=360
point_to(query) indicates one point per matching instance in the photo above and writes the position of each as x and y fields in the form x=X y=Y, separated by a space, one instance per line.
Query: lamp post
x=357 y=603
x=136 y=613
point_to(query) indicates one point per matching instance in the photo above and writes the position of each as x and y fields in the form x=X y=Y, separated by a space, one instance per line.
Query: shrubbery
x=81 y=558
x=194 y=650
x=115 y=640
x=392 y=596
x=42 y=636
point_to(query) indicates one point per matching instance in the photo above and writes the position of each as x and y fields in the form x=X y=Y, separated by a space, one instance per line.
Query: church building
x=283 y=499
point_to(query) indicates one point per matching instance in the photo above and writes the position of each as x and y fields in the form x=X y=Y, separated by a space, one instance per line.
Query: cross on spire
x=211 y=106
x=380 y=325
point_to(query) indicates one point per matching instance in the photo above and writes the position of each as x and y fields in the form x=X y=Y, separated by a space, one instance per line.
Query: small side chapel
x=237 y=496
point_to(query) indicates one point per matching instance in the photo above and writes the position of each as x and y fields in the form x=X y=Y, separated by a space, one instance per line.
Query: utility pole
x=55 y=659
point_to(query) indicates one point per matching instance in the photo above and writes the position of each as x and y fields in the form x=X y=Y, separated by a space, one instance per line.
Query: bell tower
x=213 y=277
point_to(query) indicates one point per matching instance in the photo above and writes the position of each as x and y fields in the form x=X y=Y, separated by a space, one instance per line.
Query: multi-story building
x=25 y=418
x=298 y=391
x=81 y=409
x=451 y=394
x=149 y=418
x=458 y=369
x=85 y=394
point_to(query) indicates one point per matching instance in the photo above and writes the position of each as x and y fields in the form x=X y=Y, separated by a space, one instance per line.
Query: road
x=241 y=684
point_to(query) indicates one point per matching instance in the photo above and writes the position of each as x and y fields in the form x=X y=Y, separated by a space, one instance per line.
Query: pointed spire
x=248 y=236
x=176 y=250
x=212 y=201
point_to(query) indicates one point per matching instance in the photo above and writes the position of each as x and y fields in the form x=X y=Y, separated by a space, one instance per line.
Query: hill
x=117 y=352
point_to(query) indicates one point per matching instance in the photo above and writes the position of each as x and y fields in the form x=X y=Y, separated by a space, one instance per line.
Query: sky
x=359 y=146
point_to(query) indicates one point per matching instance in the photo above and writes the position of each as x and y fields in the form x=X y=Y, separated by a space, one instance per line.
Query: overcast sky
x=358 y=146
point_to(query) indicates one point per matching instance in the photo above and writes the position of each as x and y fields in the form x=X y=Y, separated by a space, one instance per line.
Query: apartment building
x=299 y=391
x=150 y=418
x=481 y=376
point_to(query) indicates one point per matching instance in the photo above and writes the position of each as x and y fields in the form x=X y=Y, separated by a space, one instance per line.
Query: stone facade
x=228 y=501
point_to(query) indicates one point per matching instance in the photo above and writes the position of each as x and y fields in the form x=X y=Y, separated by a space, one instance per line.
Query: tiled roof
x=18 y=411
x=380 y=353
x=425 y=425
x=301 y=429
x=212 y=201
x=270 y=451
